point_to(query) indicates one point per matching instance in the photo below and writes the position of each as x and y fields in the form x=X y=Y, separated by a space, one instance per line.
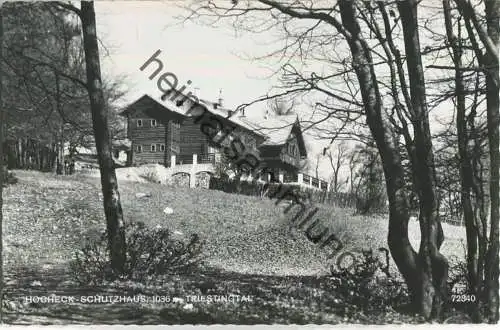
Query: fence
x=288 y=178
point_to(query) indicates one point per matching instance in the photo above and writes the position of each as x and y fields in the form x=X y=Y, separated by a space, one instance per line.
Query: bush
x=150 y=252
x=150 y=176
x=252 y=188
x=458 y=278
x=8 y=177
x=368 y=284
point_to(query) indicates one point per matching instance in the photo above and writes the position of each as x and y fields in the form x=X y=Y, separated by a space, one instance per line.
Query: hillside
x=249 y=250
x=243 y=234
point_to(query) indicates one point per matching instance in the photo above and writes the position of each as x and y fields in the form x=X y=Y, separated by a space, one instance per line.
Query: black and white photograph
x=249 y=162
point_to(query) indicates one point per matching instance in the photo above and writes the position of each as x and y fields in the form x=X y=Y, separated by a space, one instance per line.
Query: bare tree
x=352 y=56
x=2 y=123
x=492 y=10
x=111 y=196
x=488 y=64
x=337 y=161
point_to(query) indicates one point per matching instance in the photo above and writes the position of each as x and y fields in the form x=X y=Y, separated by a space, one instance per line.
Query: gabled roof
x=148 y=99
x=277 y=129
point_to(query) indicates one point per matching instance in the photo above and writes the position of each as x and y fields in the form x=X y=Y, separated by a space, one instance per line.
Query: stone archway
x=180 y=179
x=202 y=179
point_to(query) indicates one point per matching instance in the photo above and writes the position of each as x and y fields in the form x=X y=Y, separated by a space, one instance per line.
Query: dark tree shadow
x=271 y=300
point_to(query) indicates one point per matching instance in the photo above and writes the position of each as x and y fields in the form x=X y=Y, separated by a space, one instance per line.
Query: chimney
x=219 y=102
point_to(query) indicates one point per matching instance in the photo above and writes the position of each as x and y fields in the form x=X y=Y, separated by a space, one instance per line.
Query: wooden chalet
x=159 y=129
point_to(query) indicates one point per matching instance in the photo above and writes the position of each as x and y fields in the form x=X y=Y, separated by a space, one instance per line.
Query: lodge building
x=159 y=129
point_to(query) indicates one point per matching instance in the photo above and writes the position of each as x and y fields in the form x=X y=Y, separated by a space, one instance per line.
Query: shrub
x=8 y=177
x=458 y=281
x=150 y=176
x=150 y=252
x=252 y=188
x=368 y=284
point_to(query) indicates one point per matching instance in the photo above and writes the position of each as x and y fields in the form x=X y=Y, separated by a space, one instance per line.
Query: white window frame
x=153 y=148
x=138 y=148
x=139 y=122
x=154 y=123
x=162 y=147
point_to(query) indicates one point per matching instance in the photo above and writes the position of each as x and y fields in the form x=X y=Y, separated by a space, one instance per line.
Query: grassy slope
x=45 y=217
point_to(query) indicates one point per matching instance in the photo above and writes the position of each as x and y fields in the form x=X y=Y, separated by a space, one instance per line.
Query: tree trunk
x=492 y=9
x=433 y=265
x=2 y=123
x=377 y=119
x=465 y=158
x=111 y=196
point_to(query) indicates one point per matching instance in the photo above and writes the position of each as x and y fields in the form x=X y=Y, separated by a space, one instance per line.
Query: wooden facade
x=157 y=133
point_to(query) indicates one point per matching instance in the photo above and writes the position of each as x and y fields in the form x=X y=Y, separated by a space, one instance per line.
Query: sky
x=133 y=31
x=213 y=59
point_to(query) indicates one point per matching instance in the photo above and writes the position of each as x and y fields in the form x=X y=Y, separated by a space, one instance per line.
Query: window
x=162 y=147
x=153 y=148
x=139 y=122
x=153 y=122
x=138 y=148
x=116 y=153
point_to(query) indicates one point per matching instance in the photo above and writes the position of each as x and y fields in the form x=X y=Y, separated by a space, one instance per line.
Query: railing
x=291 y=178
x=201 y=159
x=207 y=159
x=306 y=179
x=183 y=159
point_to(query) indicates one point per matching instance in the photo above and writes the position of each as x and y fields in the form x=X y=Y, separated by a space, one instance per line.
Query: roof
x=243 y=122
x=277 y=129
x=162 y=103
